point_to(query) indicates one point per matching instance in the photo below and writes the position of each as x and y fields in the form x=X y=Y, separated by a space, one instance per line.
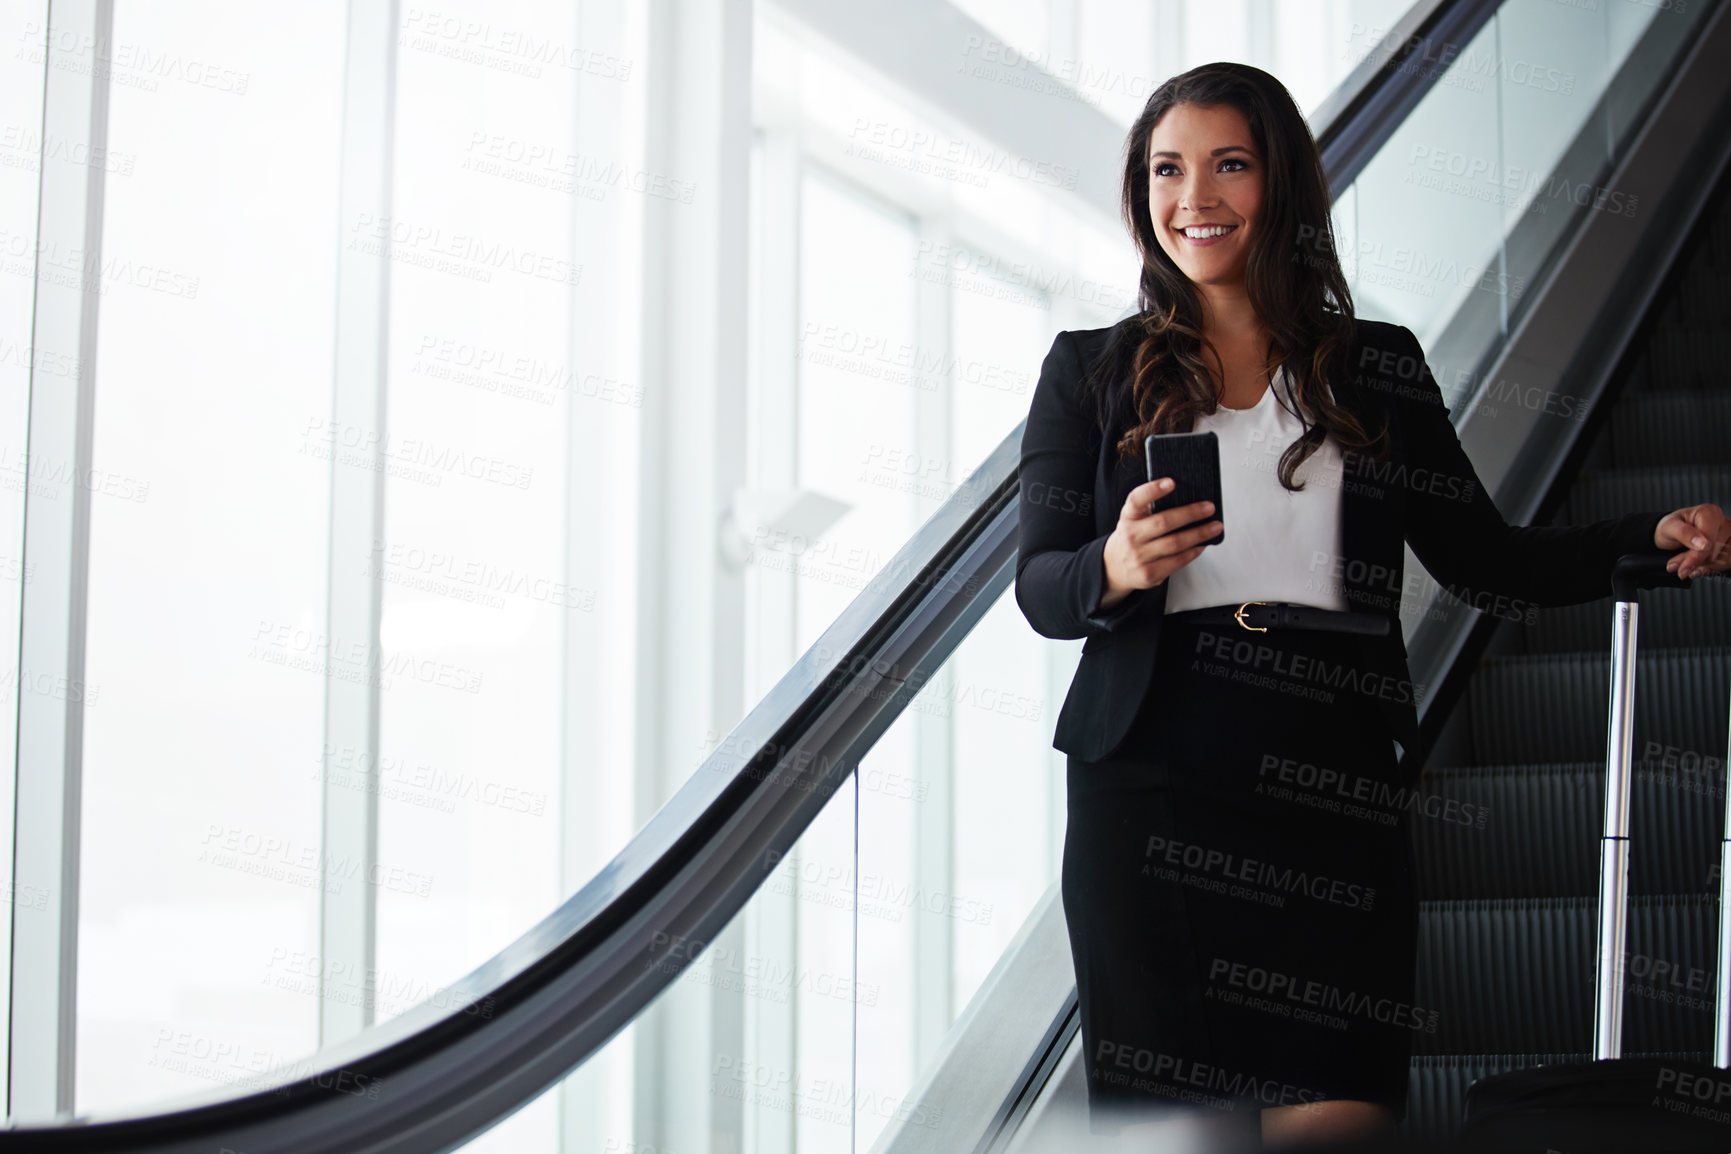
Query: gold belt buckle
x=1239 y=616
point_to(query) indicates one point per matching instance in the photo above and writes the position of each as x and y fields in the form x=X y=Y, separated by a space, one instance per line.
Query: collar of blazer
x=1370 y=563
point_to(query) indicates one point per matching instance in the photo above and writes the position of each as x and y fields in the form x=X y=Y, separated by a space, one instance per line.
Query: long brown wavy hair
x=1153 y=363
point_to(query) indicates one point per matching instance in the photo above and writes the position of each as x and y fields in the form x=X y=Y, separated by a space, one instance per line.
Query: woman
x=1237 y=872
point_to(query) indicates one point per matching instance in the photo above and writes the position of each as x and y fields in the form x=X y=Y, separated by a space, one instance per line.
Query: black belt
x=1260 y=616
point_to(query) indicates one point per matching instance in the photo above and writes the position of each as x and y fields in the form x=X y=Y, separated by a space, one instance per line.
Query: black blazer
x=1072 y=488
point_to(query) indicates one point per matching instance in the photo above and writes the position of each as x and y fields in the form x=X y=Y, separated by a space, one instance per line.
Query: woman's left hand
x=1704 y=531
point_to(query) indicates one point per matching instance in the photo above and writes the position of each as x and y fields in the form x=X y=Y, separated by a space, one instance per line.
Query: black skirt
x=1239 y=887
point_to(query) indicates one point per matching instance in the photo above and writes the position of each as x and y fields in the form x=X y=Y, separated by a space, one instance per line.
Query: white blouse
x=1279 y=545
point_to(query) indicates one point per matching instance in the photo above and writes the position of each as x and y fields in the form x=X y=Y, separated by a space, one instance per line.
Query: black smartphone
x=1192 y=460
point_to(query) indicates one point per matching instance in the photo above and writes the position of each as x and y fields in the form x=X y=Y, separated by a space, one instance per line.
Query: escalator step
x=1617 y=492
x=1703 y=294
x=1533 y=831
x=1718 y=246
x=1546 y=708
x=1670 y=619
x=1676 y=822
x=1538 y=837
x=1672 y=428
x=1505 y=975
x=1689 y=358
x=1510 y=975
x=1669 y=980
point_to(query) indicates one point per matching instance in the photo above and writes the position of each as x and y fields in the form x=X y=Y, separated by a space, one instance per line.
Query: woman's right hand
x=1146 y=548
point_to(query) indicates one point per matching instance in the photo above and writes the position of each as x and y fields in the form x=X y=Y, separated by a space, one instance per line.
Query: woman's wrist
x=1111 y=597
x=1111 y=593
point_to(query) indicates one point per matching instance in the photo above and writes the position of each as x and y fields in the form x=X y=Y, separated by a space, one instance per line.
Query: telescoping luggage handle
x=1632 y=573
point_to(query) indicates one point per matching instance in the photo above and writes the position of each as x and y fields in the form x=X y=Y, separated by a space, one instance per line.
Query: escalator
x=1507 y=923
x=1509 y=916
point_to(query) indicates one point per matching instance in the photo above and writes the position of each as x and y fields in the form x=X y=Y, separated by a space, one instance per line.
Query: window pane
x=472 y=562
x=199 y=891
x=856 y=396
x=23 y=25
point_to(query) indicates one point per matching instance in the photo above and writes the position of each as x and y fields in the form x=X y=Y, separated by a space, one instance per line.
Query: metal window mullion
x=772 y=1027
x=348 y=911
x=690 y=630
x=54 y=604
x=594 y=800
x=934 y=864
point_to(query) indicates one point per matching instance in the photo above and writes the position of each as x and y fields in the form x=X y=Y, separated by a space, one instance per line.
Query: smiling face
x=1203 y=171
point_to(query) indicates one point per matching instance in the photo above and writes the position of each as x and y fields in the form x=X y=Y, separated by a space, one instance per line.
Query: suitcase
x=1615 y=1103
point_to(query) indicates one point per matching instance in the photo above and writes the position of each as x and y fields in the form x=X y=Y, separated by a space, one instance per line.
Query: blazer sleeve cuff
x=1634 y=533
x=1094 y=588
